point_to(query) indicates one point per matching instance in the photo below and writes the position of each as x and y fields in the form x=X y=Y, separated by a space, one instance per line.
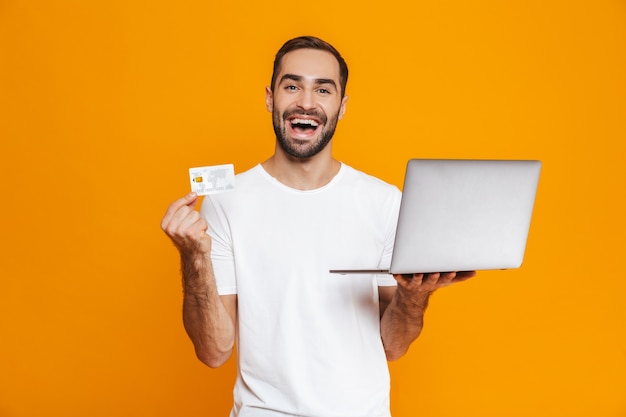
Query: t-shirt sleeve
x=222 y=256
x=388 y=280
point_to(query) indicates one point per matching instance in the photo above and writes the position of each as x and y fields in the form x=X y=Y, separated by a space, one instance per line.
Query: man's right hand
x=184 y=226
x=209 y=318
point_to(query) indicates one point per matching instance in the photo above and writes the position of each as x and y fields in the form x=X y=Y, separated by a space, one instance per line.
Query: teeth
x=304 y=122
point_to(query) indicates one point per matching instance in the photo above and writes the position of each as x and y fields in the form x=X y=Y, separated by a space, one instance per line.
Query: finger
x=464 y=275
x=178 y=219
x=447 y=278
x=190 y=200
x=419 y=280
x=189 y=232
x=431 y=278
x=406 y=279
x=194 y=224
x=185 y=217
x=187 y=223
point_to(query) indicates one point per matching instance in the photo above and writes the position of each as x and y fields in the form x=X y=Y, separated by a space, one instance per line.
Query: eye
x=323 y=91
x=291 y=88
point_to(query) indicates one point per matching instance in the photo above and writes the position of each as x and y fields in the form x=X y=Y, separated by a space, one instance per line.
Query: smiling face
x=306 y=102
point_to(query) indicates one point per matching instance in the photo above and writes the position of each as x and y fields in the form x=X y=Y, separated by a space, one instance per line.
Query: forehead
x=310 y=63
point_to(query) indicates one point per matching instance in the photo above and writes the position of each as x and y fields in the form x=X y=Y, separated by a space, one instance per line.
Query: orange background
x=105 y=104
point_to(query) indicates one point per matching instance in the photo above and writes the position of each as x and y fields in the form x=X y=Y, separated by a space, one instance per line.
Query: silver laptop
x=462 y=215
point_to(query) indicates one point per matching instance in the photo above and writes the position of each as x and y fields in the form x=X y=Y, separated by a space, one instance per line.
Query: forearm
x=402 y=322
x=208 y=323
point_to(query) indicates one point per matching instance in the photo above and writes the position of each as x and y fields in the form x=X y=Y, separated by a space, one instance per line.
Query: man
x=255 y=262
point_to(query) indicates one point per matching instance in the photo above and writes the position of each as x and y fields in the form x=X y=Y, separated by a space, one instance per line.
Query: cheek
x=281 y=107
x=333 y=113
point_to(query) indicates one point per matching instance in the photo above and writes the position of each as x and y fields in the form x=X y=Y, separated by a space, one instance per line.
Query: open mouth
x=303 y=126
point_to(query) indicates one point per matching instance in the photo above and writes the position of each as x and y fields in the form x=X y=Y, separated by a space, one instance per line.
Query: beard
x=299 y=148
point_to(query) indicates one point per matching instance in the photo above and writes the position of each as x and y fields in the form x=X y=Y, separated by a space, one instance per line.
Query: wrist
x=195 y=258
x=196 y=269
x=410 y=301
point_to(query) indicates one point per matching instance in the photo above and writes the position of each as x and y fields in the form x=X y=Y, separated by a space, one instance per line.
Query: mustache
x=312 y=113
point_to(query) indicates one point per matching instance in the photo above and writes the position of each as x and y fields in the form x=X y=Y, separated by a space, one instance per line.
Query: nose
x=306 y=100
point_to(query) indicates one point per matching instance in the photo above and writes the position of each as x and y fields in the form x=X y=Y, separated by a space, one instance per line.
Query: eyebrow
x=318 y=81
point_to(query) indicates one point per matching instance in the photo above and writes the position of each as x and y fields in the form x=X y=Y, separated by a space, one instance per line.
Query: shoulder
x=369 y=183
x=367 y=193
x=247 y=184
x=250 y=176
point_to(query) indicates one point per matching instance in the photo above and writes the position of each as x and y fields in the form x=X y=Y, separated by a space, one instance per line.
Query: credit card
x=212 y=179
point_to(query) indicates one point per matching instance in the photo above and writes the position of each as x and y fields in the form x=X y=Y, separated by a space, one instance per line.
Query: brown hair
x=311 y=42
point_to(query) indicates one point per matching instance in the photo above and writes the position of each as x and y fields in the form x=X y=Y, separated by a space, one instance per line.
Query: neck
x=302 y=174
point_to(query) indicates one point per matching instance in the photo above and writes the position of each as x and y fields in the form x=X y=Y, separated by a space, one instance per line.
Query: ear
x=269 y=99
x=342 y=108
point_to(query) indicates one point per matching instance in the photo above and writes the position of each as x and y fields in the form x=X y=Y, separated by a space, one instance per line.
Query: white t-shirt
x=308 y=341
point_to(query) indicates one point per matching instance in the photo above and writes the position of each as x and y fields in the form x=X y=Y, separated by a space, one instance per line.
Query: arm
x=403 y=308
x=209 y=318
